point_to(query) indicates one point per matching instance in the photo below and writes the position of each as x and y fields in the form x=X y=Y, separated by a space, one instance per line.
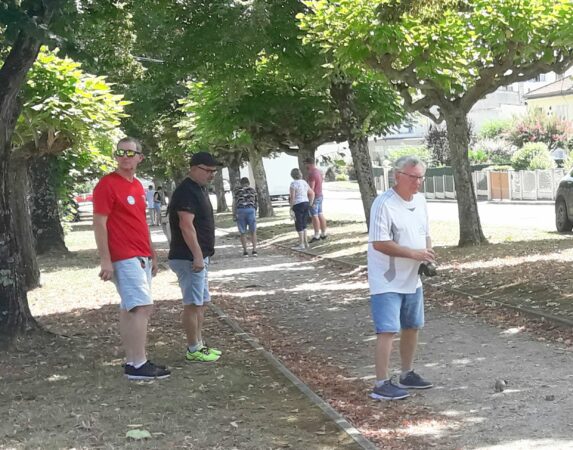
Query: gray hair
x=133 y=141
x=408 y=161
x=296 y=174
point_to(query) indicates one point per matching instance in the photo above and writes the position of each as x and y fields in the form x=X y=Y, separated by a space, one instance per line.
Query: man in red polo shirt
x=314 y=179
x=127 y=256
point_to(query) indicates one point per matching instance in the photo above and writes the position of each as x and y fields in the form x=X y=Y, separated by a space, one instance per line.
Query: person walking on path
x=244 y=213
x=192 y=244
x=157 y=202
x=127 y=256
x=301 y=196
x=315 y=179
x=398 y=242
x=149 y=195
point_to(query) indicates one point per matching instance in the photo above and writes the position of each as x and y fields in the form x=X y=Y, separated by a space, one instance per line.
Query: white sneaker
x=299 y=247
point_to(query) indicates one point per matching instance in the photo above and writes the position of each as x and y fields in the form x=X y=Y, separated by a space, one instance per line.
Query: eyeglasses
x=129 y=153
x=213 y=171
x=412 y=176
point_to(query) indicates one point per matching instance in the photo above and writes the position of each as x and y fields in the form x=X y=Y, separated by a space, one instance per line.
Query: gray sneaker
x=414 y=381
x=388 y=391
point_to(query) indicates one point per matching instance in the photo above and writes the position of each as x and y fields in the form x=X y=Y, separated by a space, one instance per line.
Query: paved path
x=326 y=307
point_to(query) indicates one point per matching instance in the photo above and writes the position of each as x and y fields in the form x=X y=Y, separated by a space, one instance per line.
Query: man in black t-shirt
x=192 y=244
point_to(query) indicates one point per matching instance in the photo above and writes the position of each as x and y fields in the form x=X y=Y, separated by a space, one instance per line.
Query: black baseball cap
x=204 y=158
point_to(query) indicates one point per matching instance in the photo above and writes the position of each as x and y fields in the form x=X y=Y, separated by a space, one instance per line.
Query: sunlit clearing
x=514 y=330
x=452 y=413
x=325 y=287
x=531 y=444
x=510 y=261
x=248 y=294
x=427 y=428
x=298 y=266
x=463 y=361
x=58 y=378
x=475 y=419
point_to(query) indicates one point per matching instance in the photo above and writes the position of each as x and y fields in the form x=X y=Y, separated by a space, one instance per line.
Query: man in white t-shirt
x=398 y=242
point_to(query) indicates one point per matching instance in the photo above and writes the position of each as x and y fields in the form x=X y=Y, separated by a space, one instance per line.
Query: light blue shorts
x=194 y=285
x=132 y=279
x=316 y=207
x=393 y=312
x=246 y=218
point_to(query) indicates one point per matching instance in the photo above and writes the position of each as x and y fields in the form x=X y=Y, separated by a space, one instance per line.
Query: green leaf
x=138 y=434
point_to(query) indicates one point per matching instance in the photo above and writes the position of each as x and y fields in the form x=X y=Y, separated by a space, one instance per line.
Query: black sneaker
x=245 y=253
x=148 y=371
x=324 y=236
x=255 y=253
x=314 y=239
x=414 y=381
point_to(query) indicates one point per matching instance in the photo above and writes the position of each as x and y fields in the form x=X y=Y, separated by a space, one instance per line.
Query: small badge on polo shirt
x=130 y=200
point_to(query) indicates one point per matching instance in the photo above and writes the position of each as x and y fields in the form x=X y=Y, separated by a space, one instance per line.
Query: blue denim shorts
x=132 y=279
x=316 y=207
x=392 y=312
x=194 y=285
x=246 y=218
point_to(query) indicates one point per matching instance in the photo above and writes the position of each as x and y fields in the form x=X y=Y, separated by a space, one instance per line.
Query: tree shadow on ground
x=64 y=392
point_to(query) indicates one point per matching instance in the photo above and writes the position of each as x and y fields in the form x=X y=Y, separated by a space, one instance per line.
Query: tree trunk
x=220 y=192
x=23 y=225
x=343 y=94
x=470 y=227
x=263 y=196
x=305 y=151
x=15 y=314
x=234 y=175
x=46 y=224
x=358 y=146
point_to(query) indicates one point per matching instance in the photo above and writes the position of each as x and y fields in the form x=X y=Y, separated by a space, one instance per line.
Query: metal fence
x=523 y=184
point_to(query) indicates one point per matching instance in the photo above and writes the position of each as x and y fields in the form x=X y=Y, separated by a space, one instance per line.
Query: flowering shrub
x=498 y=151
x=539 y=127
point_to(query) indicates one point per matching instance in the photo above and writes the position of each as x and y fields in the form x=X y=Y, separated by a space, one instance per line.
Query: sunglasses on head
x=129 y=153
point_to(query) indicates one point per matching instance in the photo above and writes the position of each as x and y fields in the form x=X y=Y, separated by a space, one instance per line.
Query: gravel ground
x=321 y=309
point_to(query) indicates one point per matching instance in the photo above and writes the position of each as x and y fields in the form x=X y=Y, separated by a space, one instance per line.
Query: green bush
x=494 y=128
x=522 y=158
x=477 y=156
x=420 y=151
x=542 y=161
x=341 y=177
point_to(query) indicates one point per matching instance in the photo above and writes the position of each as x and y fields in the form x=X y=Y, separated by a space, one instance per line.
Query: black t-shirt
x=192 y=198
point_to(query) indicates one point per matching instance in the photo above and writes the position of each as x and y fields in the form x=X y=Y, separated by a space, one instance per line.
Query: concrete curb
x=332 y=414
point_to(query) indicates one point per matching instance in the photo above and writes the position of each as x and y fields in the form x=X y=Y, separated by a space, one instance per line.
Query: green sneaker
x=216 y=351
x=203 y=355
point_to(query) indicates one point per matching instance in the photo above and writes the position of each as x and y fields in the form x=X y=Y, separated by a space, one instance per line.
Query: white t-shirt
x=394 y=219
x=301 y=188
x=149 y=197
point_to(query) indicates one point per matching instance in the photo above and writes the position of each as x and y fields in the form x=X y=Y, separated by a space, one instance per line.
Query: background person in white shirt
x=300 y=198
x=149 y=194
x=398 y=242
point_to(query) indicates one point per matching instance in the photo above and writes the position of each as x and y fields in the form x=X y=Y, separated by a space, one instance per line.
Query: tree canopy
x=444 y=56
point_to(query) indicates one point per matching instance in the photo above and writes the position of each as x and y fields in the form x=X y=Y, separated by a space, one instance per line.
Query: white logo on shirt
x=130 y=200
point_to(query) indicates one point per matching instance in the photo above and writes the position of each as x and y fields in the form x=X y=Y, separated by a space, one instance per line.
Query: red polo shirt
x=124 y=204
